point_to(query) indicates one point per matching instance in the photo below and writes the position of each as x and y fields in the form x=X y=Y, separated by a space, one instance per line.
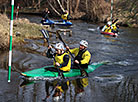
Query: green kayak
x=40 y=73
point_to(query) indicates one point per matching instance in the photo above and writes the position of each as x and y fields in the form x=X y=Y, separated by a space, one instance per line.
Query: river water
x=114 y=82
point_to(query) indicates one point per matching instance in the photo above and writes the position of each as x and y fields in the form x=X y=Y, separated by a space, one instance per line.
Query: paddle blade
x=45 y=33
x=84 y=73
x=60 y=38
x=115 y=21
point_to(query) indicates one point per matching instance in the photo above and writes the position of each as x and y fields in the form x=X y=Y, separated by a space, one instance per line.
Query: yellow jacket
x=85 y=58
x=114 y=26
x=64 y=16
x=107 y=29
x=59 y=59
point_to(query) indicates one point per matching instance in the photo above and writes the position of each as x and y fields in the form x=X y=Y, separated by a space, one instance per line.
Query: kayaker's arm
x=74 y=51
x=66 y=60
x=49 y=54
x=103 y=29
x=86 y=58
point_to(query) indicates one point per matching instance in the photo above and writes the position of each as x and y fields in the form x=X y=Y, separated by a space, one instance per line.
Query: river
x=114 y=82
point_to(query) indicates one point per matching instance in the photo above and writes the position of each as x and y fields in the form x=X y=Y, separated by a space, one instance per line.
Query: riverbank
x=22 y=28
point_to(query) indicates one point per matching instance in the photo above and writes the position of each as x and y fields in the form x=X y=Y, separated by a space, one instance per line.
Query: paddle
x=83 y=72
x=46 y=36
x=115 y=21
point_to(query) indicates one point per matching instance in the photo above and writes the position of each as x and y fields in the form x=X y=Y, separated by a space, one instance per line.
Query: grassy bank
x=22 y=28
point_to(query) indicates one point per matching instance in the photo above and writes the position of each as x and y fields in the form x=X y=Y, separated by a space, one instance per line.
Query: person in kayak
x=45 y=14
x=115 y=26
x=82 y=55
x=110 y=28
x=65 y=16
x=62 y=59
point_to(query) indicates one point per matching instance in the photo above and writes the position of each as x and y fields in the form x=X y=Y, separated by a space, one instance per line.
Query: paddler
x=115 y=26
x=62 y=59
x=110 y=27
x=65 y=15
x=82 y=55
x=107 y=27
x=45 y=14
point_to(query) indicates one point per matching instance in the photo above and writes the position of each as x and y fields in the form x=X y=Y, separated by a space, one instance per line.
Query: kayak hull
x=110 y=34
x=61 y=23
x=43 y=73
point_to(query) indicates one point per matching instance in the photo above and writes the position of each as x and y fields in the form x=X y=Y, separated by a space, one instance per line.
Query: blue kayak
x=51 y=22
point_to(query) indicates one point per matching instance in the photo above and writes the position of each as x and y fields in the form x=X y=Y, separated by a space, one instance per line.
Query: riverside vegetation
x=22 y=28
x=90 y=10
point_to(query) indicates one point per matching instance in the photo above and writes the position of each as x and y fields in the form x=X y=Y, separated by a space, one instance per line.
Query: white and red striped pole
x=10 y=49
x=17 y=11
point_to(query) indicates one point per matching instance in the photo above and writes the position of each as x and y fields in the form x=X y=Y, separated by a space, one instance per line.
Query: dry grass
x=4 y=32
x=22 y=29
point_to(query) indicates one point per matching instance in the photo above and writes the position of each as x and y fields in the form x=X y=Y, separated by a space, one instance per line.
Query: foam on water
x=109 y=78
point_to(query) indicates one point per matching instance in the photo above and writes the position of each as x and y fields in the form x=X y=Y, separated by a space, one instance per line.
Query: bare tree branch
x=53 y=8
x=60 y=6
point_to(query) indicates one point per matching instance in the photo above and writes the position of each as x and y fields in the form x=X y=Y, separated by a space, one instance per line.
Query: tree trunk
x=70 y=3
x=63 y=3
x=33 y=3
x=39 y=1
x=86 y=4
x=77 y=5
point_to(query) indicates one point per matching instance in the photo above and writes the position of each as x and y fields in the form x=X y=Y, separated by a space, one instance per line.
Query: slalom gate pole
x=17 y=11
x=111 y=10
x=10 y=49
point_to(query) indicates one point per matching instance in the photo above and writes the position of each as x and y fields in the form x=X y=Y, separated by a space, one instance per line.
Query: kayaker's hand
x=57 y=64
x=49 y=47
x=67 y=47
x=76 y=61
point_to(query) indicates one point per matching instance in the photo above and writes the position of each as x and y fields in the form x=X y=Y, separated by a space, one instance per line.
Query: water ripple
x=109 y=78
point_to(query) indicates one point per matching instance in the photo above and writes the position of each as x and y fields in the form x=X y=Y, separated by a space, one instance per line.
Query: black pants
x=76 y=66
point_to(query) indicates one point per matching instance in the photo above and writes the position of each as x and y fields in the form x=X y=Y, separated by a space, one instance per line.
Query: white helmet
x=84 y=43
x=109 y=22
x=59 y=46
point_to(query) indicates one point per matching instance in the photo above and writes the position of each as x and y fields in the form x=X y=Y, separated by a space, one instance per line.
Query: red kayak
x=111 y=34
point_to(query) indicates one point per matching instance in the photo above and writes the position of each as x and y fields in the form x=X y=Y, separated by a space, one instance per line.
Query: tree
x=77 y=5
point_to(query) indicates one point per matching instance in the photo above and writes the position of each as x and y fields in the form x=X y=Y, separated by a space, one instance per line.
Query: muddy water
x=115 y=82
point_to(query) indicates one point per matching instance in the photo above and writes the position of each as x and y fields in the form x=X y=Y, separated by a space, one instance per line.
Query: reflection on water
x=123 y=91
x=112 y=88
x=63 y=90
